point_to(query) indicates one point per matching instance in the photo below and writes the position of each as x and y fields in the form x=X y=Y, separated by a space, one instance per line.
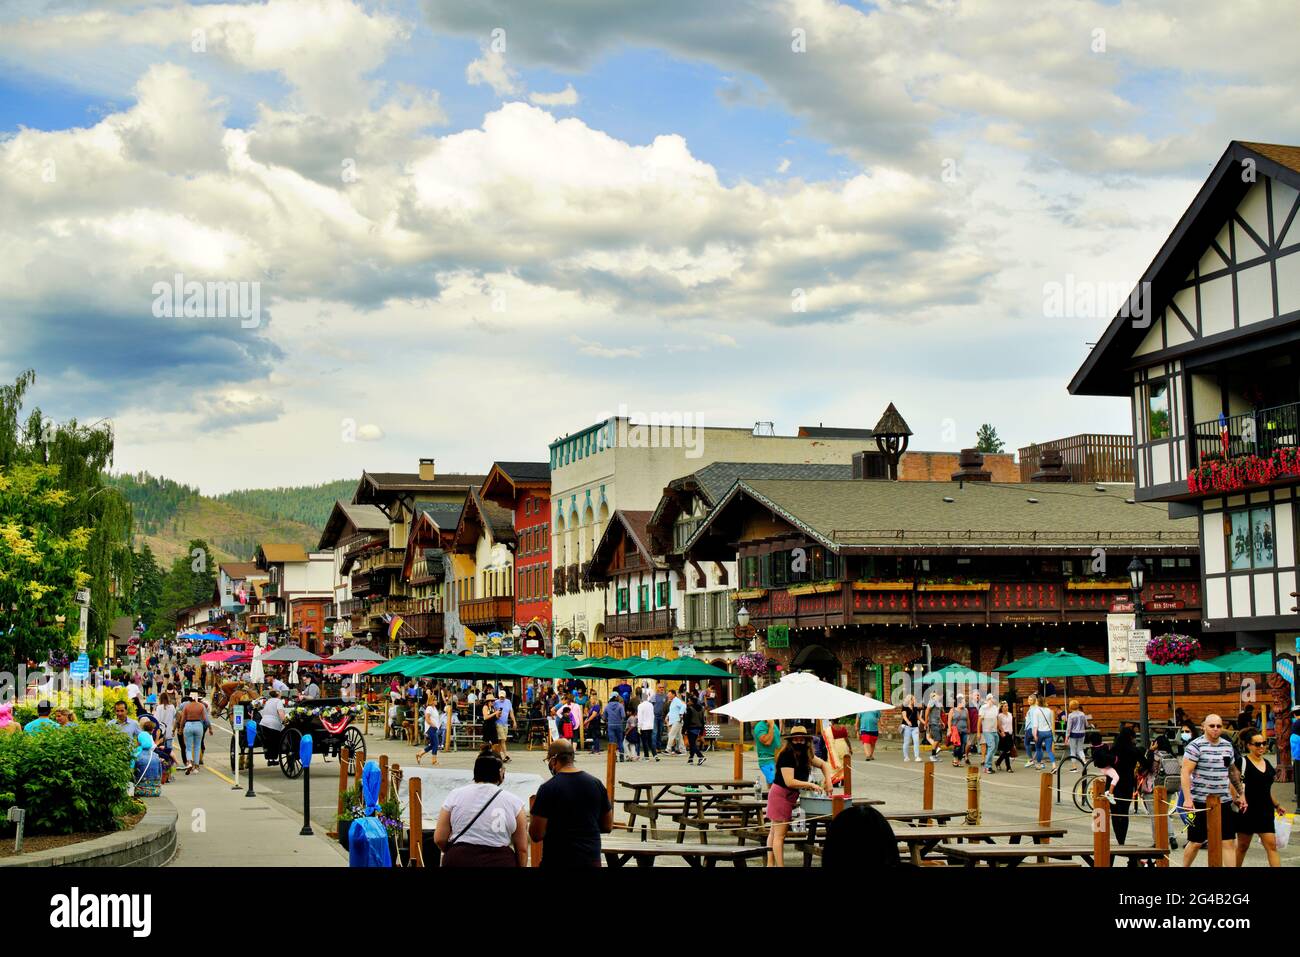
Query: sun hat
x=797 y=731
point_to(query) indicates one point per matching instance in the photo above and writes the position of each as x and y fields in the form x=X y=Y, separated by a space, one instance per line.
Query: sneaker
x=988 y=770
x=690 y=760
x=1074 y=770
x=1030 y=764
x=1110 y=797
x=906 y=759
x=701 y=759
x=656 y=757
x=1040 y=767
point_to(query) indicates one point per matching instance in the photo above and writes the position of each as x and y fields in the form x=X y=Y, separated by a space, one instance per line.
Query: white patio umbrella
x=290 y=653
x=800 y=695
x=357 y=653
x=293 y=674
x=255 y=672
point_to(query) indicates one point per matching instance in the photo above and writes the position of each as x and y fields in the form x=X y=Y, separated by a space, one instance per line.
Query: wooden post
x=847 y=780
x=534 y=847
x=837 y=805
x=447 y=726
x=1045 y=801
x=1161 y=822
x=972 y=795
x=927 y=787
x=1214 y=829
x=738 y=762
x=1100 y=824
x=610 y=751
x=365 y=713
x=357 y=765
x=383 y=777
x=416 y=808
x=344 y=754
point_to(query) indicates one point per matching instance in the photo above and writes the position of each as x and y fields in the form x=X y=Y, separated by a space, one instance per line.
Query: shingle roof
x=240 y=570
x=1288 y=156
x=526 y=471
x=827 y=432
x=891 y=423
x=283 y=553
x=716 y=478
x=411 y=480
x=446 y=515
x=981 y=514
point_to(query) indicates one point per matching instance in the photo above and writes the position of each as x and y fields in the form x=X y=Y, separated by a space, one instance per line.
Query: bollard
x=738 y=763
x=610 y=759
x=416 y=808
x=306 y=802
x=383 y=777
x=344 y=755
x=1045 y=799
x=972 y=795
x=1161 y=823
x=534 y=848
x=927 y=787
x=848 y=779
x=1100 y=824
x=1214 y=829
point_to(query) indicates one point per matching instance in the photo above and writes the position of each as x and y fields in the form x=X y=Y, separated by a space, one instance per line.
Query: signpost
x=237 y=719
x=1118 y=629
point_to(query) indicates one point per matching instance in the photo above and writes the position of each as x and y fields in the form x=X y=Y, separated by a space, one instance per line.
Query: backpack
x=1102 y=756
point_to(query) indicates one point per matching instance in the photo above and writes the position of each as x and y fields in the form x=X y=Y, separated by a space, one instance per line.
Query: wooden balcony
x=1261 y=433
x=642 y=624
x=498 y=612
x=271 y=590
x=390 y=606
x=426 y=626
x=381 y=559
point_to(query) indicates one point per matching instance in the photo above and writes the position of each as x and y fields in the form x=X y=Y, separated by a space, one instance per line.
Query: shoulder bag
x=495 y=794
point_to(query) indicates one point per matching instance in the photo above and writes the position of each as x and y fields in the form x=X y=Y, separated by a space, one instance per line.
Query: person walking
x=591 y=724
x=571 y=811
x=194 y=721
x=1031 y=739
x=1076 y=725
x=988 y=718
x=1006 y=736
x=1039 y=719
x=973 y=739
x=645 y=723
x=1208 y=766
x=432 y=730
x=506 y=720
x=767 y=741
x=869 y=733
x=1259 y=808
x=481 y=824
x=694 y=730
x=271 y=726
x=958 y=726
x=660 y=701
x=676 y=714
x=911 y=727
x=934 y=725
x=615 y=718
x=1127 y=760
x=794 y=765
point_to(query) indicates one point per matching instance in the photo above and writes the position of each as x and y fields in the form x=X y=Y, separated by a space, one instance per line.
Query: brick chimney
x=970 y=467
x=427 y=472
x=1051 y=467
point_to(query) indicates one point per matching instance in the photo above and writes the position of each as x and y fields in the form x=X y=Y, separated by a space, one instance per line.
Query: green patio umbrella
x=601 y=667
x=427 y=665
x=637 y=666
x=1244 y=662
x=685 y=668
x=478 y=666
x=395 y=666
x=957 y=674
x=542 y=667
x=1025 y=661
x=1061 y=664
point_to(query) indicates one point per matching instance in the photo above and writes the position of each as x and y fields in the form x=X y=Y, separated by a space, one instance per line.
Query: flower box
x=1098 y=585
x=1217 y=474
x=745 y=594
x=953 y=586
x=814 y=588
x=882 y=586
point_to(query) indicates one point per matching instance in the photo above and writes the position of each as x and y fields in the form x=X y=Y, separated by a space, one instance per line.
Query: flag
x=394 y=626
x=1223 y=433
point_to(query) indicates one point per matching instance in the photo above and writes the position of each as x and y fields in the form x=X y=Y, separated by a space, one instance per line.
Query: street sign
x=1137 y=644
x=83 y=596
x=778 y=636
x=1118 y=628
x=131 y=649
x=239 y=719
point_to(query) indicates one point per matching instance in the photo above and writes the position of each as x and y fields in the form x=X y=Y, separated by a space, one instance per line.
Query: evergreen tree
x=986 y=439
x=148 y=586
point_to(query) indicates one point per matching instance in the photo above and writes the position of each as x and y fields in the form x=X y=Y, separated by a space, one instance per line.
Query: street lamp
x=1137 y=571
x=743 y=631
x=742 y=617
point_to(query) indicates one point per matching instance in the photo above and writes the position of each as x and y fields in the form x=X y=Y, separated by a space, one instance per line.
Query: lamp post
x=1137 y=571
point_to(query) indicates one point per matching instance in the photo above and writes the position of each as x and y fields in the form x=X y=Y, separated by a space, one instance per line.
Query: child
x=1103 y=760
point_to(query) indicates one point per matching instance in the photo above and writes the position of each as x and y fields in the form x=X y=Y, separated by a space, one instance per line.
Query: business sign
x=80 y=668
x=1138 y=639
x=778 y=636
x=1118 y=629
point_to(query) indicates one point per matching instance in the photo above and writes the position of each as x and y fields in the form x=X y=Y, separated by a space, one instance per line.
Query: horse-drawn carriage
x=327 y=720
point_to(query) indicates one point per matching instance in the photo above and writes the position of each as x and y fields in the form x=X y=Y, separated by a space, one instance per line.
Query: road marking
x=229 y=781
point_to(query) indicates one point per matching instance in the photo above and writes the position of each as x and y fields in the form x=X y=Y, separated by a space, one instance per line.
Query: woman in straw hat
x=794 y=764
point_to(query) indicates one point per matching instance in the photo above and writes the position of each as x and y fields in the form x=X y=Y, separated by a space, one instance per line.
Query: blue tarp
x=367 y=837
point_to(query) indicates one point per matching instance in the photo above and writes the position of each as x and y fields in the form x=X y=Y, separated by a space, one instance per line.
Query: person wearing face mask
x=794 y=765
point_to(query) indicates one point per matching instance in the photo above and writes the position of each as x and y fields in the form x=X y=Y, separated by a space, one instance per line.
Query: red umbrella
x=217 y=657
x=352 y=668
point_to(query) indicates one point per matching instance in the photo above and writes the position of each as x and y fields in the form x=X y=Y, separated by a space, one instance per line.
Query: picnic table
x=650 y=798
x=1010 y=855
x=619 y=850
x=940 y=817
x=921 y=841
x=746 y=808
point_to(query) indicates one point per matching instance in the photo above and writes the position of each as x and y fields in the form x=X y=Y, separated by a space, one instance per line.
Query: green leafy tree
x=191 y=579
x=40 y=567
x=80 y=454
x=986 y=439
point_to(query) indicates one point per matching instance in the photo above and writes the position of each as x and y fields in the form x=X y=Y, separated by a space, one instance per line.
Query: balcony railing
x=487 y=611
x=423 y=626
x=382 y=559
x=583 y=571
x=271 y=590
x=642 y=623
x=1260 y=433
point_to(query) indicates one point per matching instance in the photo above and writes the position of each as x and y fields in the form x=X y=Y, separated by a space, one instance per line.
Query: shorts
x=1196 y=830
x=781 y=802
x=868 y=737
x=768 y=770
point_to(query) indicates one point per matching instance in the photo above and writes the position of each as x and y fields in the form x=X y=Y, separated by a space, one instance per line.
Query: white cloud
x=491 y=68
x=783 y=166
x=599 y=351
x=369 y=433
x=566 y=97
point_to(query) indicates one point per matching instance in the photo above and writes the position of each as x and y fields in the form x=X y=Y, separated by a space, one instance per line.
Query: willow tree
x=79 y=456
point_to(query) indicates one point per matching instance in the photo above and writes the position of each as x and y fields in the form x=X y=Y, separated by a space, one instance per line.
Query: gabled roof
x=867 y=517
x=446 y=515
x=622 y=525
x=382 y=487
x=479 y=516
x=347 y=519
x=239 y=570
x=506 y=479
x=1106 y=370
x=270 y=554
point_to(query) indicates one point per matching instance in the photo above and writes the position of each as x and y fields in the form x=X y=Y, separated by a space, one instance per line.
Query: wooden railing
x=487 y=611
x=642 y=623
x=423 y=626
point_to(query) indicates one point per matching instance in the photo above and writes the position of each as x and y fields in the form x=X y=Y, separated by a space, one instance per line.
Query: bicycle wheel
x=1080 y=793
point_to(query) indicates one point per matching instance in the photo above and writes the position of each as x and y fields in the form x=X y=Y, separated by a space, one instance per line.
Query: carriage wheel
x=289 y=763
x=355 y=742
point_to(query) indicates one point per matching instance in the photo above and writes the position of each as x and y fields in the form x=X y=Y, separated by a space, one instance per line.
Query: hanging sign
x=1118 y=628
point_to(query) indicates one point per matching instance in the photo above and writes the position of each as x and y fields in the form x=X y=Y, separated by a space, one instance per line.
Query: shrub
x=68 y=780
x=86 y=705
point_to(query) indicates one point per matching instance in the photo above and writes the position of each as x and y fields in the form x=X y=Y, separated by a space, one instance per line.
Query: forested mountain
x=155 y=501
x=309 y=504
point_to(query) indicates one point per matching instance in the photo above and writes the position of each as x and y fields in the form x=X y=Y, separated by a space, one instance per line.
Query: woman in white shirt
x=432 y=725
x=482 y=824
x=1039 y=721
x=271 y=726
x=645 y=723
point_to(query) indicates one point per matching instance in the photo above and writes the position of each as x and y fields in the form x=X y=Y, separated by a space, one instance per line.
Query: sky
x=463 y=229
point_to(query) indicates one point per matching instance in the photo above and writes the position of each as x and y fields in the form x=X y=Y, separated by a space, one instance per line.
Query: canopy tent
x=290 y=654
x=800 y=695
x=1023 y=662
x=1243 y=661
x=685 y=668
x=357 y=653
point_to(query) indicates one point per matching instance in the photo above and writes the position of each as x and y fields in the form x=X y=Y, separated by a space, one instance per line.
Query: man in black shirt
x=572 y=810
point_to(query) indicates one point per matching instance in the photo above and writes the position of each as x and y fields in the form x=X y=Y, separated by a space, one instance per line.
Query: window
x=1157 y=410
x=643 y=598
x=620 y=601
x=749 y=572
x=780 y=568
x=1250 y=538
x=665 y=596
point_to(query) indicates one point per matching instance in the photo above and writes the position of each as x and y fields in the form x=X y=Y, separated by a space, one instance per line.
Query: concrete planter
x=151 y=843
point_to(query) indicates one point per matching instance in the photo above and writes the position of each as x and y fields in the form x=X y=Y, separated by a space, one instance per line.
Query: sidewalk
x=218 y=826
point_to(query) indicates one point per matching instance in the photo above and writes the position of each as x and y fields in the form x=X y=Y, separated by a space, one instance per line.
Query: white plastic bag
x=1282 y=831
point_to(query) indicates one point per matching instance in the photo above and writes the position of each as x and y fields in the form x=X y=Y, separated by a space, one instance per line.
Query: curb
x=151 y=843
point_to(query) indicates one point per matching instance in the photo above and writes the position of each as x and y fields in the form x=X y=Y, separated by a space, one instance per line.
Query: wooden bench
x=921 y=841
x=619 y=850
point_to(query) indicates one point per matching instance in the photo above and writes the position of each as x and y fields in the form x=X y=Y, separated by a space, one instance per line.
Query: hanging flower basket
x=754 y=665
x=1173 y=650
